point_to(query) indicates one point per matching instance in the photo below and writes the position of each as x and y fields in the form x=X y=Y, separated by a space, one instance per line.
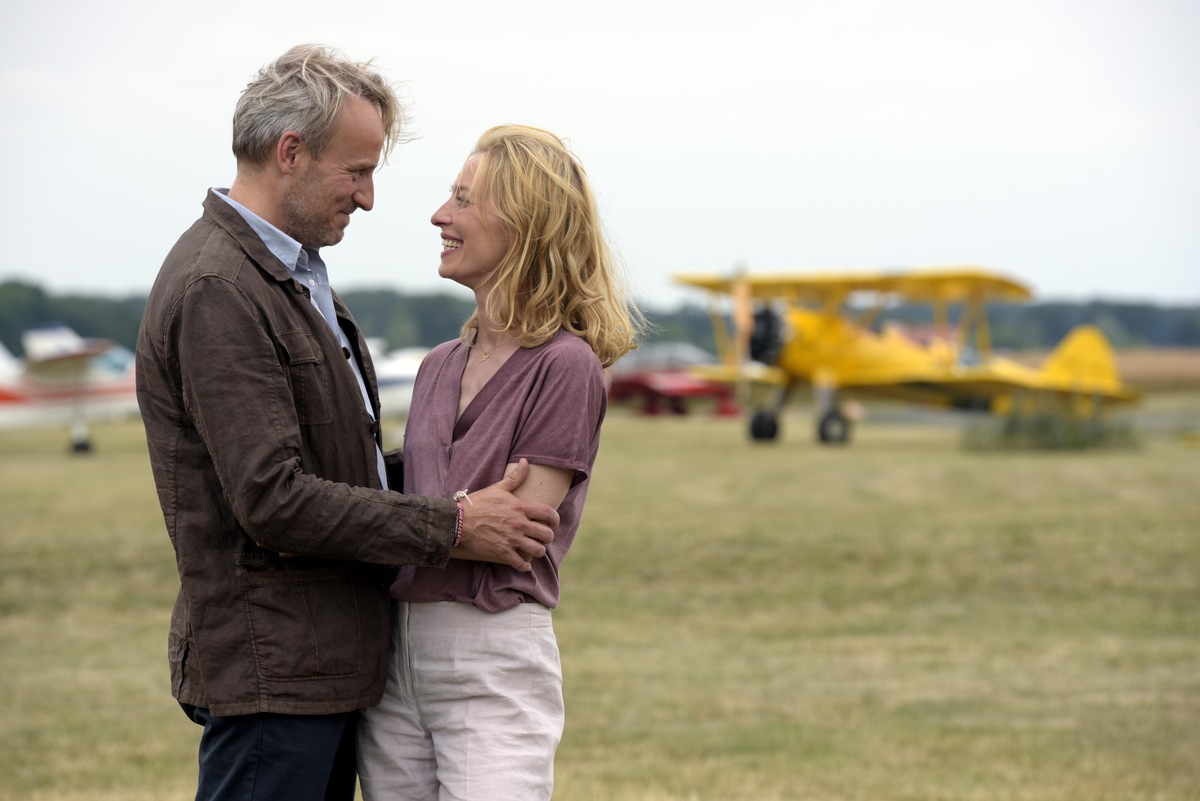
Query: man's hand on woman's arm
x=497 y=526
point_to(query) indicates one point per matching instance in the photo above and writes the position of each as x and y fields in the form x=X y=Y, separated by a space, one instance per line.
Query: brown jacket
x=260 y=446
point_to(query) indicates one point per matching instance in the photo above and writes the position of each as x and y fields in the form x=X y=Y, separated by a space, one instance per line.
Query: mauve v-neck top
x=544 y=404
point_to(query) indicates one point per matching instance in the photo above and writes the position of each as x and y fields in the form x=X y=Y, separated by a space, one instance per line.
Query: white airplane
x=65 y=379
x=395 y=372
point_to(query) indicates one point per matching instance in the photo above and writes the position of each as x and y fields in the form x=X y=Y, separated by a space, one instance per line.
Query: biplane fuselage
x=834 y=351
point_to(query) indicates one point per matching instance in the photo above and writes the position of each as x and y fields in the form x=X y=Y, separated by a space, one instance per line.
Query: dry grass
x=898 y=619
x=1158 y=369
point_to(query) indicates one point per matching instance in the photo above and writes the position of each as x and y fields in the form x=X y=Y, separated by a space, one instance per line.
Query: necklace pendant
x=484 y=357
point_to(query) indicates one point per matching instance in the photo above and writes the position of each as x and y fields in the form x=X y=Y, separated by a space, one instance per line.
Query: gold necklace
x=488 y=353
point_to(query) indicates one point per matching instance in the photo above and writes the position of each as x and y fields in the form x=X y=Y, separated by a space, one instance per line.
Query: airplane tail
x=1084 y=362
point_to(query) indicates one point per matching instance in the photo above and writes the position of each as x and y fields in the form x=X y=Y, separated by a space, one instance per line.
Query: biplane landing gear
x=764 y=425
x=833 y=428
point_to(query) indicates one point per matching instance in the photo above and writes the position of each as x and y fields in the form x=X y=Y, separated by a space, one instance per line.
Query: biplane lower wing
x=752 y=374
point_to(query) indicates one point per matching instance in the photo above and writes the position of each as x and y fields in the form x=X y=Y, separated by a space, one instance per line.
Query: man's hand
x=500 y=527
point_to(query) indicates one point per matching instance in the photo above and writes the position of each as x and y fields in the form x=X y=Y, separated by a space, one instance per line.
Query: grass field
x=897 y=619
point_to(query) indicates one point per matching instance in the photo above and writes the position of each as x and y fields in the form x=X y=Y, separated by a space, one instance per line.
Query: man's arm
x=237 y=394
x=499 y=526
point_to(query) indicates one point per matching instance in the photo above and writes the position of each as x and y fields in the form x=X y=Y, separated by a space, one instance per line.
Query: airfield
x=900 y=619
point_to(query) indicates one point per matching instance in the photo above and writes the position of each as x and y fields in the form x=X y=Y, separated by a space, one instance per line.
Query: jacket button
x=374 y=426
x=346 y=353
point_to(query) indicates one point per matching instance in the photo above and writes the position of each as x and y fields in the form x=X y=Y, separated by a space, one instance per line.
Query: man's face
x=324 y=192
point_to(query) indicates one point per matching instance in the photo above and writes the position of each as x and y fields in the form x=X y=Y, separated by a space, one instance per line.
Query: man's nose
x=364 y=196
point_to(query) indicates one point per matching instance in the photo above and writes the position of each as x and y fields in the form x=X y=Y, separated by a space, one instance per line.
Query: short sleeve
x=561 y=417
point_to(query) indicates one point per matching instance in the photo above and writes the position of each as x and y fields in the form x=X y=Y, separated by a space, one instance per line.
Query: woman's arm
x=543 y=484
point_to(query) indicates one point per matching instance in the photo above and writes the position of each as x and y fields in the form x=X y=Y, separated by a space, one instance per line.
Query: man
x=260 y=406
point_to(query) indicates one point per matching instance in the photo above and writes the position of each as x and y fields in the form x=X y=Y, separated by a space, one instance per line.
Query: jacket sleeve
x=236 y=390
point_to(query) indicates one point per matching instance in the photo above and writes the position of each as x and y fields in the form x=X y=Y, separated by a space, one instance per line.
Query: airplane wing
x=752 y=372
x=946 y=284
x=993 y=378
x=55 y=343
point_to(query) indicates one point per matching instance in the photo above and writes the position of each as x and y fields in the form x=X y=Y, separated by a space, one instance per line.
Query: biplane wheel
x=833 y=428
x=764 y=426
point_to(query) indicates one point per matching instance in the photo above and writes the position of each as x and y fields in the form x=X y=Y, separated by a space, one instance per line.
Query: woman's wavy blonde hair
x=559 y=271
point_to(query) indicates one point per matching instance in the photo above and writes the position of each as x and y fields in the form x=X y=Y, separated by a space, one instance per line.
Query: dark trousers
x=270 y=757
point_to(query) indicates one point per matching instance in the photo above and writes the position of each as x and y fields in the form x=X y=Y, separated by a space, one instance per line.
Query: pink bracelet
x=458 y=499
x=458 y=525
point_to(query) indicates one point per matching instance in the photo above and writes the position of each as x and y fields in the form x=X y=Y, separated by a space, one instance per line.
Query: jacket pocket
x=309 y=377
x=304 y=624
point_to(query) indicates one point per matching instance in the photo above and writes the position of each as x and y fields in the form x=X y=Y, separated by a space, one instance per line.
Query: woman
x=473 y=707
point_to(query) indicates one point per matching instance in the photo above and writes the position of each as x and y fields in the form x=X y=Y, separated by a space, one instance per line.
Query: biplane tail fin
x=1085 y=362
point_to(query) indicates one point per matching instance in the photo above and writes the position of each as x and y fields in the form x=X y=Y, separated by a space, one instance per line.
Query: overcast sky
x=1057 y=141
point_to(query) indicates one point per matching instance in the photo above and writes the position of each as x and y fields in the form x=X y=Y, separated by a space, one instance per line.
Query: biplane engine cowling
x=766 y=337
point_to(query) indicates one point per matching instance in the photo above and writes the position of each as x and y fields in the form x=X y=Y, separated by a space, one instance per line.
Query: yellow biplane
x=789 y=329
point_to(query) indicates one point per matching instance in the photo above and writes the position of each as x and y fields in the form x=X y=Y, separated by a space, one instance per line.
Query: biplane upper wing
x=947 y=285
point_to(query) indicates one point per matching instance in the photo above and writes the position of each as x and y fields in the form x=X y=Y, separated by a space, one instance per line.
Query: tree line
x=413 y=320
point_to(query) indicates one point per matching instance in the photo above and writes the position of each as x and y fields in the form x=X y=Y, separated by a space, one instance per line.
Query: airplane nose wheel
x=833 y=428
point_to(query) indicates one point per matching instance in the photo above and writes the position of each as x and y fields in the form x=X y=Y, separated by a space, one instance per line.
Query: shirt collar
x=295 y=257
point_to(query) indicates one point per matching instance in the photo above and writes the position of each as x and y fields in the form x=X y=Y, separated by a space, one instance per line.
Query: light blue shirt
x=306 y=266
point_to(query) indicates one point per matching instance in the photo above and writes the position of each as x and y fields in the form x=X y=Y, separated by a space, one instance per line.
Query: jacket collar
x=227 y=218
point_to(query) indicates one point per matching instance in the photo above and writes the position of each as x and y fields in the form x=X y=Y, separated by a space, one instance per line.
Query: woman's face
x=473 y=238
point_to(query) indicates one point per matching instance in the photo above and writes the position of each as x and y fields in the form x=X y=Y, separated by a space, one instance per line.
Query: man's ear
x=288 y=151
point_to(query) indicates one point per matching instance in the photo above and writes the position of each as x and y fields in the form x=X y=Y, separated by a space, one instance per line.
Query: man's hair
x=303 y=91
x=559 y=271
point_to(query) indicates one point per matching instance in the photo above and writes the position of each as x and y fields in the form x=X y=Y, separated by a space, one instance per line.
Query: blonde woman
x=473 y=707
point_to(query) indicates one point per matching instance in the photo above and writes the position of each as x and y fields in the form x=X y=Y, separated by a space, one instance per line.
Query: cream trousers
x=473 y=708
